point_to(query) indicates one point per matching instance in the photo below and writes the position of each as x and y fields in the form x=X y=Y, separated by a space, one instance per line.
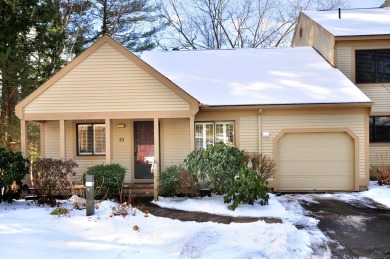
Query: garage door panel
x=316 y=161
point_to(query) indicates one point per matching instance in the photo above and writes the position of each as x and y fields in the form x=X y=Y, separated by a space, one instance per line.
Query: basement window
x=372 y=66
x=91 y=139
x=379 y=129
x=208 y=133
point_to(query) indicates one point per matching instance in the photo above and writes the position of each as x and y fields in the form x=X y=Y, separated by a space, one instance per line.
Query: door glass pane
x=145 y=143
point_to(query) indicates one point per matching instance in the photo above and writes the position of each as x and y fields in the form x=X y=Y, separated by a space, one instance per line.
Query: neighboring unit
x=109 y=106
x=357 y=42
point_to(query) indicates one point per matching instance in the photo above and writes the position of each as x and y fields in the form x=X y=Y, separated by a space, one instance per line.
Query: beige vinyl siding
x=249 y=133
x=315 y=36
x=121 y=150
x=176 y=141
x=106 y=81
x=344 y=61
x=379 y=154
x=52 y=139
x=275 y=122
x=379 y=95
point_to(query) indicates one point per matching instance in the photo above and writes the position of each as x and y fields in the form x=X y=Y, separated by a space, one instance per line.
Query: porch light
x=121 y=125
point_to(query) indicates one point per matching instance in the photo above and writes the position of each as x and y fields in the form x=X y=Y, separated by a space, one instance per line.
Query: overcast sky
x=366 y=3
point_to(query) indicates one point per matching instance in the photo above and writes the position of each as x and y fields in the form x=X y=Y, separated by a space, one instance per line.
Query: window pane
x=198 y=136
x=220 y=133
x=230 y=133
x=371 y=123
x=382 y=129
x=204 y=135
x=99 y=131
x=85 y=141
x=209 y=134
x=383 y=65
x=224 y=131
x=365 y=66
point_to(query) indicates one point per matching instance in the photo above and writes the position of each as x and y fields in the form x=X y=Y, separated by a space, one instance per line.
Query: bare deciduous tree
x=215 y=24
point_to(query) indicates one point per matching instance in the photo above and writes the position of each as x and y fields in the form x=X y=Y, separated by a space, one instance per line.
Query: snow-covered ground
x=30 y=231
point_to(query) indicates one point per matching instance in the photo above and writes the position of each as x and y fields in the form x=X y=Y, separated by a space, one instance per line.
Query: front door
x=143 y=149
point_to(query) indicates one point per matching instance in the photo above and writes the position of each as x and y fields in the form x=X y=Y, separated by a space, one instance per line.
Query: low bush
x=51 y=179
x=239 y=176
x=247 y=187
x=381 y=173
x=168 y=181
x=186 y=185
x=261 y=164
x=108 y=180
x=13 y=169
x=216 y=165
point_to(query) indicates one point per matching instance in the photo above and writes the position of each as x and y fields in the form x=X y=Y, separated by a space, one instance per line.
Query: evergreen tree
x=130 y=22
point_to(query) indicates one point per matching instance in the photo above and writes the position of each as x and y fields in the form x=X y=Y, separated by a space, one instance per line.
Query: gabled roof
x=353 y=22
x=256 y=76
x=194 y=104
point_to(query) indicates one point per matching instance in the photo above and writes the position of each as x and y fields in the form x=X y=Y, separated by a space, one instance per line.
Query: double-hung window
x=379 y=129
x=372 y=66
x=208 y=133
x=91 y=139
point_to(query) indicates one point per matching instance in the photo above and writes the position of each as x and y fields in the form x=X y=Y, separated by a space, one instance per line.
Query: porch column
x=23 y=137
x=62 y=140
x=192 y=132
x=156 y=158
x=108 y=141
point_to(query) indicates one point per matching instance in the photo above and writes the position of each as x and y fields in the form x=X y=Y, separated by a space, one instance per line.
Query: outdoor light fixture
x=121 y=125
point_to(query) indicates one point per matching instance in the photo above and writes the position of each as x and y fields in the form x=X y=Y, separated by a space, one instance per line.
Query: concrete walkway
x=199 y=216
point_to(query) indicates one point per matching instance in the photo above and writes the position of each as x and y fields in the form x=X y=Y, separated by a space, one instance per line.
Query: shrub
x=50 y=178
x=261 y=164
x=216 y=165
x=247 y=187
x=239 y=176
x=168 y=181
x=108 y=179
x=13 y=169
x=186 y=184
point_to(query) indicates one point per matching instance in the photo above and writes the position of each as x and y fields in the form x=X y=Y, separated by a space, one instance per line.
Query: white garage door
x=316 y=162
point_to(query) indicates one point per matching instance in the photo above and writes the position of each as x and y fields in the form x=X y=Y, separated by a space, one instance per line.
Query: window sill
x=93 y=158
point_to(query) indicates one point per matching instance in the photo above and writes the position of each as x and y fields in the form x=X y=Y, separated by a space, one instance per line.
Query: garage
x=318 y=161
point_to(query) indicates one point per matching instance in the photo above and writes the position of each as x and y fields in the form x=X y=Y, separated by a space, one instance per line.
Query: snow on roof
x=256 y=76
x=353 y=22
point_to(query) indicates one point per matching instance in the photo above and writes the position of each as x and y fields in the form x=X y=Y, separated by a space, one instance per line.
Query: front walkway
x=199 y=216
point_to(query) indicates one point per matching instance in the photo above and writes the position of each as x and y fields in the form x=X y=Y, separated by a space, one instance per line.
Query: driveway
x=355 y=227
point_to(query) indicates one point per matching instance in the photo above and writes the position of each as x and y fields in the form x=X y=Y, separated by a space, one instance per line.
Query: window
x=379 y=129
x=91 y=139
x=373 y=66
x=207 y=133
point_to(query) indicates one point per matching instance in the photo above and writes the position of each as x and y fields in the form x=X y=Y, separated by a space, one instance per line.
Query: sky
x=366 y=3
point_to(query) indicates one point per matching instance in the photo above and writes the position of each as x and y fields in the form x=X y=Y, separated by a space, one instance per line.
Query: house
x=109 y=106
x=357 y=42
